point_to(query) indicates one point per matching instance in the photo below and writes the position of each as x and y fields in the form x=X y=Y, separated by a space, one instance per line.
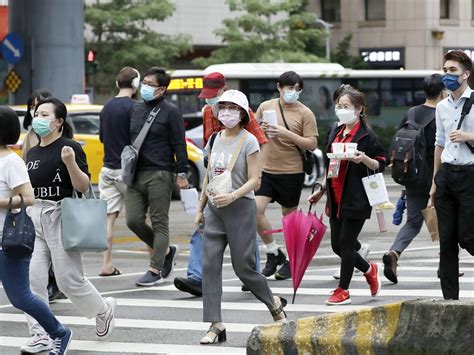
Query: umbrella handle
x=312 y=192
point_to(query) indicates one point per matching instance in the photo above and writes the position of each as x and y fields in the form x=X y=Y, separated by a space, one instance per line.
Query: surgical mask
x=41 y=125
x=291 y=96
x=451 y=82
x=229 y=118
x=212 y=101
x=147 y=92
x=345 y=116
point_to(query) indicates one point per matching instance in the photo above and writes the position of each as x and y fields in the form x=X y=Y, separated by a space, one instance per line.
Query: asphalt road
x=162 y=320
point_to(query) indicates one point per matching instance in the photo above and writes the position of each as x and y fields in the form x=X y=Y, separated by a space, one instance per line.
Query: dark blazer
x=354 y=202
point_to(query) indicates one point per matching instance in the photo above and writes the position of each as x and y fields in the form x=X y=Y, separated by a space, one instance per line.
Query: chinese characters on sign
x=178 y=84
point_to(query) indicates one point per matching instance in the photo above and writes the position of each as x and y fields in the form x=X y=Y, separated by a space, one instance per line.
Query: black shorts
x=282 y=188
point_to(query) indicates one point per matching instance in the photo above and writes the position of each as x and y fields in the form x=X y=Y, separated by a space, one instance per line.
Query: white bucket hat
x=236 y=97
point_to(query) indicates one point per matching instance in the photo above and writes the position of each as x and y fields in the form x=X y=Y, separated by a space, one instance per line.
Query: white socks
x=272 y=248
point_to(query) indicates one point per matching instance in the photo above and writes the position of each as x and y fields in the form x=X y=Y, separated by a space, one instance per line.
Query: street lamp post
x=327 y=28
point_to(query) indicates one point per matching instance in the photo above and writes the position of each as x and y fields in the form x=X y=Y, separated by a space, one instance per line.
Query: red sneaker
x=373 y=279
x=339 y=296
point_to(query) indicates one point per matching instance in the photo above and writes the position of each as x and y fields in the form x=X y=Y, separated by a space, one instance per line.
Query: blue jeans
x=14 y=274
x=195 y=256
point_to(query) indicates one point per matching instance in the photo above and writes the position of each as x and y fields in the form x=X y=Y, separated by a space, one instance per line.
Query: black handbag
x=18 y=240
x=306 y=156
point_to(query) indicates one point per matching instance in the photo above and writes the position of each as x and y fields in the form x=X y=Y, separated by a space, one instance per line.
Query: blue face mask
x=212 y=101
x=451 y=82
x=41 y=126
x=290 y=96
x=147 y=92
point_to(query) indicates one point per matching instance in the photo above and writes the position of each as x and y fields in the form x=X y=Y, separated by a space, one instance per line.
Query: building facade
x=388 y=34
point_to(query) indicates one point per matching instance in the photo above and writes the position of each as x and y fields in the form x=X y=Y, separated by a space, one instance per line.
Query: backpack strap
x=466 y=108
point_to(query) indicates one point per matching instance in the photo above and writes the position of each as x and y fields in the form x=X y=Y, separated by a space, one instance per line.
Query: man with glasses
x=283 y=176
x=155 y=174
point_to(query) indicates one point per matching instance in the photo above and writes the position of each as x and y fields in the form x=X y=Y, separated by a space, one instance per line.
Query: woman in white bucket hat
x=228 y=191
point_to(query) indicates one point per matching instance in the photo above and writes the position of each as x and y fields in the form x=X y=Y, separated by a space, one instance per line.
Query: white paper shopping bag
x=374 y=186
x=189 y=199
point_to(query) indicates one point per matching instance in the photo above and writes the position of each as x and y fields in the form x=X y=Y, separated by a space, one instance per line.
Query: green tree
x=122 y=36
x=342 y=56
x=267 y=31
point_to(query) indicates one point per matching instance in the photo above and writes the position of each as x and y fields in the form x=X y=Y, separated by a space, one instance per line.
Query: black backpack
x=408 y=152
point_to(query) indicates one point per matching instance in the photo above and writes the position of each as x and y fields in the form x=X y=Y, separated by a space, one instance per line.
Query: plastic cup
x=338 y=150
x=350 y=147
x=381 y=220
x=270 y=117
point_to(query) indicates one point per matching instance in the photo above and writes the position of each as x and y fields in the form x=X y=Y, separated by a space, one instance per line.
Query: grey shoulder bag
x=129 y=156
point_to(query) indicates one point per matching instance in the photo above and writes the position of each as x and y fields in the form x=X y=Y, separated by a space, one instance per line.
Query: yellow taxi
x=84 y=118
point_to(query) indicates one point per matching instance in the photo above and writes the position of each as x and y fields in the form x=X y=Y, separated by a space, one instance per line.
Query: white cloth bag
x=222 y=184
x=374 y=186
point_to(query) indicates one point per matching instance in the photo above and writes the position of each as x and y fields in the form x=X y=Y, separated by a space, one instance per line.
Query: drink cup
x=338 y=150
x=350 y=147
x=270 y=117
x=381 y=220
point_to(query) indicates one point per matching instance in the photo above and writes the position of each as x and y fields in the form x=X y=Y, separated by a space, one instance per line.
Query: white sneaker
x=363 y=251
x=37 y=344
x=105 y=322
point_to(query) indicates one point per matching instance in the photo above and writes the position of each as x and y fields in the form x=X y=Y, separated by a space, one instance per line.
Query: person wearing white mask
x=283 y=176
x=347 y=203
x=230 y=218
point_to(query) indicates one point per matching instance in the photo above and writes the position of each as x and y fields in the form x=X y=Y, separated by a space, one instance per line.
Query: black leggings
x=344 y=233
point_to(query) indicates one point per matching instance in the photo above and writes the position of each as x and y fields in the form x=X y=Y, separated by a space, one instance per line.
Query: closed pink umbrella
x=303 y=234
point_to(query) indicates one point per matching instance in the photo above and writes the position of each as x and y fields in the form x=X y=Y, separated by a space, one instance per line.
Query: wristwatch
x=182 y=175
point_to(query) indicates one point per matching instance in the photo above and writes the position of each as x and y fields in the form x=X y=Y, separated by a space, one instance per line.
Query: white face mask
x=346 y=116
x=229 y=118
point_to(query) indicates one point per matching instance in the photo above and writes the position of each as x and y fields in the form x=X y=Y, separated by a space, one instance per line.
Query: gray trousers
x=235 y=225
x=151 y=189
x=416 y=202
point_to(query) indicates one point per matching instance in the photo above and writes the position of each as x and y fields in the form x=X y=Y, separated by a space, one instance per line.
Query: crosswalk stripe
x=326 y=291
x=133 y=348
x=138 y=323
x=401 y=279
x=239 y=306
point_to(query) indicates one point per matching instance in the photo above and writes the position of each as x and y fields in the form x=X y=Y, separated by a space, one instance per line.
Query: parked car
x=195 y=136
x=85 y=120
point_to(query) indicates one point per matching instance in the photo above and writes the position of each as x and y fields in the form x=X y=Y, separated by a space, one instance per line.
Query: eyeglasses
x=344 y=107
x=293 y=87
x=228 y=106
x=150 y=84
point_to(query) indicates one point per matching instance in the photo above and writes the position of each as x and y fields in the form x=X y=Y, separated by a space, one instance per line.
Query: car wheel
x=310 y=179
x=193 y=179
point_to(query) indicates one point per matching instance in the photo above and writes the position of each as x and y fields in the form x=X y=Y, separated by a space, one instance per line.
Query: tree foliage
x=343 y=57
x=267 y=31
x=121 y=35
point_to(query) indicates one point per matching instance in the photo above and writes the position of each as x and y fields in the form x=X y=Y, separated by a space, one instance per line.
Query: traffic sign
x=13 y=48
x=13 y=81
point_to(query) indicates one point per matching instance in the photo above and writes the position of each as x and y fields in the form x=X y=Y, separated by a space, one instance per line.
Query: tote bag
x=374 y=186
x=84 y=223
x=18 y=238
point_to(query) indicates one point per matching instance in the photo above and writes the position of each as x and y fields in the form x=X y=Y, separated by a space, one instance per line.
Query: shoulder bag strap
x=286 y=124
x=236 y=152
x=466 y=108
x=137 y=143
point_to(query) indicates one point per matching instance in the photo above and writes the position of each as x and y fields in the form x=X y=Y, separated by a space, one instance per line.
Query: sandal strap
x=276 y=311
x=215 y=330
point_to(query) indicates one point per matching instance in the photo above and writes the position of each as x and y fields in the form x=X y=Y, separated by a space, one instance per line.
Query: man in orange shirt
x=214 y=87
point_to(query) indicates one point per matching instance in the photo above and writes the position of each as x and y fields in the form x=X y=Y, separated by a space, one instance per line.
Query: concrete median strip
x=409 y=327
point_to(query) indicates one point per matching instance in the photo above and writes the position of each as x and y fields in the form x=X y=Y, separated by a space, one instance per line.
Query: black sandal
x=220 y=336
x=276 y=312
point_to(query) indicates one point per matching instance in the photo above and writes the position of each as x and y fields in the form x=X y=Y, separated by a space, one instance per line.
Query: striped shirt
x=448 y=114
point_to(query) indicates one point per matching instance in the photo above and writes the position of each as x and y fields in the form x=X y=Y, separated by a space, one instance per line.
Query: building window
x=444 y=9
x=331 y=10
x=472 y=9
x=374 y=10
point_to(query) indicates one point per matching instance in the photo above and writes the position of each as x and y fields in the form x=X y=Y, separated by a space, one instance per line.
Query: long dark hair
x=60 y=111
x=37 y=95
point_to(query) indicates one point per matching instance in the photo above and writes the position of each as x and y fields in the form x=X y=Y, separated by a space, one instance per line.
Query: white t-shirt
x=13 y=173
